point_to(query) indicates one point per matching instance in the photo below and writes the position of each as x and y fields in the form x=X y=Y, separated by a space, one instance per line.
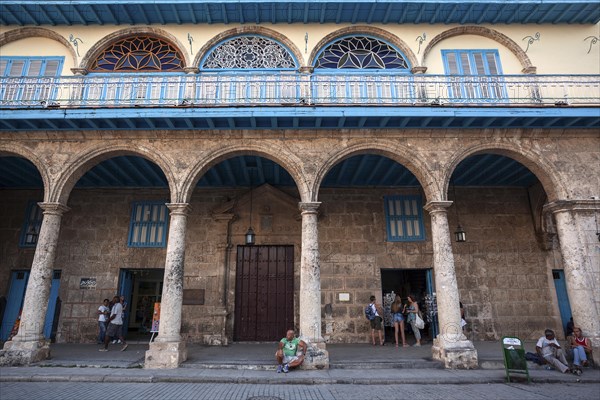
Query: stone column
x=580 y=264
x=310 y=290
x=29 y=345
x=450 y=346
x=169 y=350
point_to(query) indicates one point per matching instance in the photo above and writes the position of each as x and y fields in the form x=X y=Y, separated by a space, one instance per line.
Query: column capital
x=572 y=205
x=418 y=70
x=224 y=217
x=437 y=206
x=179 y=208
x=309 y=207
x=53 y=208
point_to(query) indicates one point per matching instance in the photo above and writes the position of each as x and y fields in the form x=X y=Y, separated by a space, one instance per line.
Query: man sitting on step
x=290 y=353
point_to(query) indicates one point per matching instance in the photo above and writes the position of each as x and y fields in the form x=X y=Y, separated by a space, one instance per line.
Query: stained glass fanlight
x=249 y=52
x=360 y=52
x=139 y=54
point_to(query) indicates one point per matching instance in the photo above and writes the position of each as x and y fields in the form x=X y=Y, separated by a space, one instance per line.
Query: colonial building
x=254 y=166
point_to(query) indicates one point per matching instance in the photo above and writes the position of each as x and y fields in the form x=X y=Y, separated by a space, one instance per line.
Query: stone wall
x=504 y=277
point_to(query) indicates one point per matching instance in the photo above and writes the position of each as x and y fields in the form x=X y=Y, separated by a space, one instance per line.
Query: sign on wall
x=87 y=283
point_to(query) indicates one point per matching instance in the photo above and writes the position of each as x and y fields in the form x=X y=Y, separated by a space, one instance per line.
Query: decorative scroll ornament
x=139 y=54
x=249 y=52
x=592 y=42
x=74 y=40
x=531 y=39
x=421 y=39
x=360 y=52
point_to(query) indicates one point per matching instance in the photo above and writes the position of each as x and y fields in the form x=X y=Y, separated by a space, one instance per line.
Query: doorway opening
x=405 y=282
x=141 y=288
x=264 y=293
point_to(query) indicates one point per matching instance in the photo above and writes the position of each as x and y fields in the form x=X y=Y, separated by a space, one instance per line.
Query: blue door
x=126 y=289
x=14 y=302
x=52 y=301
x=432 y=306
x=16 y=296
x=563 y=298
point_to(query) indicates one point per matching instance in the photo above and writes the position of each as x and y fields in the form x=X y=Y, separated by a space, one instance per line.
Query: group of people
x=551 y=352
x=111 y=316
x=401 y=312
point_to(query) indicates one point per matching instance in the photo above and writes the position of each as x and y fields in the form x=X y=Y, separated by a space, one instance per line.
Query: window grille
x=249 y=52
x=360 y=53
x=139 y=54
x=404 y=218
x=32 y=225
x=148 y=226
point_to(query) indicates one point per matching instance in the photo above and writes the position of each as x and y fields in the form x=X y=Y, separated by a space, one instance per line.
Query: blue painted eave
x=304 y=117
x=150 y=12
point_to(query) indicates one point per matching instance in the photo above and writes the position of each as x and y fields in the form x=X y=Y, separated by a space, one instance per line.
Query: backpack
x=529 y=356
x=369 y=313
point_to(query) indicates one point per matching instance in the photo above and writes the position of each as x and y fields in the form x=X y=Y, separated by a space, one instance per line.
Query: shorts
x=289 y=359
x=376 y=323
x=114 y=330
x=398 y=317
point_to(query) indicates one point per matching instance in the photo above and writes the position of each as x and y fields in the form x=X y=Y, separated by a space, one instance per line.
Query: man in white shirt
x=547 y=347
x=115 y=326
x=103 y=311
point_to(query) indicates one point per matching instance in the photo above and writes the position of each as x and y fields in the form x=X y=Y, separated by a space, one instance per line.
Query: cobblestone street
x=212 y=391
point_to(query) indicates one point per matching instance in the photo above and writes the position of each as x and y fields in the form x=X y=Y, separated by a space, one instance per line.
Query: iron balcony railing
x=243 y=89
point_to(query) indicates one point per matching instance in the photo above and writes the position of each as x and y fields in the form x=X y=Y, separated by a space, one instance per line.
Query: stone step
x=264 y=366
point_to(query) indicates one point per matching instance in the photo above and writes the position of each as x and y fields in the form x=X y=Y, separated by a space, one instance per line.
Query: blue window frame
x=37 y=75
x=476 y=74
x=35 y=67
x=31 y=226
x=404 y=218
x=149 y=223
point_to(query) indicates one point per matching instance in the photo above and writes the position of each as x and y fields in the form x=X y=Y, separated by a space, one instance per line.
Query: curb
x=285 y=380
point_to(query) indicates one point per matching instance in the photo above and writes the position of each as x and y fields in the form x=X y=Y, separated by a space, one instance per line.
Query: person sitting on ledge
x=290 y=353
x=549 y=350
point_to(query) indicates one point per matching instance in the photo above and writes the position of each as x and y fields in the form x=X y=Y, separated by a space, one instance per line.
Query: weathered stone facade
x=503 y=275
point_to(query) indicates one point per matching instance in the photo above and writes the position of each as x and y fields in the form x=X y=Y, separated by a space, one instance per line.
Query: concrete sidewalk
x=254 y=363
x=383 y=376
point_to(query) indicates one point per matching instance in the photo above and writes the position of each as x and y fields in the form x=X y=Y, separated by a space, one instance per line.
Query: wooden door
x=264 y=293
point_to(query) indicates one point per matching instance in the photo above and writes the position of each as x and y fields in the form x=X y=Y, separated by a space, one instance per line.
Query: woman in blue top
x=413 y=310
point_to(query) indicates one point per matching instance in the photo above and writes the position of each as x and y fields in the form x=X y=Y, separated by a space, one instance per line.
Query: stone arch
x=274 y=153
x=100 y=45
x=84 y=162
x=368 y=30
x=11 y=149
x=413 y=162
x=541 y=168
x=488 y=33
x=24 y=33
x=245 y=30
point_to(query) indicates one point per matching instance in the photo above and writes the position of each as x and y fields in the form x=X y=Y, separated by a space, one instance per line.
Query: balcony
x=363 y=98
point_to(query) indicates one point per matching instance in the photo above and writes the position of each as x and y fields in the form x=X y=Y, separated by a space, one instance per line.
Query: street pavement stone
x=214 y=391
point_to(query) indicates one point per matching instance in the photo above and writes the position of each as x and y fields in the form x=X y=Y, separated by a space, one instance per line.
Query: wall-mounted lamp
x=592 y=42
x=460 y=235
x=531 y=39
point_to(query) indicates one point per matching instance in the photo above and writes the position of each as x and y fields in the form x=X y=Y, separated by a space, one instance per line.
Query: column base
x=317 y=357
x=165 y=355
x=24 y=353
x=459 y=354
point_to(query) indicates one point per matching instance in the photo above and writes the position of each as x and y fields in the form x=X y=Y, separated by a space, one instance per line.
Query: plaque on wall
x=193 y=297
x=87 y=283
